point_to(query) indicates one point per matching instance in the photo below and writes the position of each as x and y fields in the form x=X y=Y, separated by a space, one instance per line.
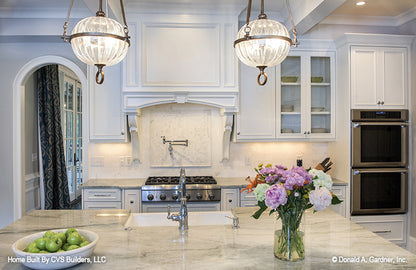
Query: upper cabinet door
x=107 y=122
x=394 y=86
x=378 y=77
x=256 y=119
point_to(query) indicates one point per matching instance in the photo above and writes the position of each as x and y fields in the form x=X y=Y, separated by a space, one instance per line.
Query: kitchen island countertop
x=329 y=237
x=137 y=183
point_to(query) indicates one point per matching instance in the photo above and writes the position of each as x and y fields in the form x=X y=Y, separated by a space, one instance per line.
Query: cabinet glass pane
x=320 y=95
x=321 y=123
x=291 y=123
x=291 y=95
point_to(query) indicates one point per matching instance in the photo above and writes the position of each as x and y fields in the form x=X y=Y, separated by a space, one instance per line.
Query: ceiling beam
x=308 y=13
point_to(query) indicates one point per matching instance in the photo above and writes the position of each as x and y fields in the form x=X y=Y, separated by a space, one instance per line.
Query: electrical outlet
x=97 y=161
x=34 y=157
x=126 y=161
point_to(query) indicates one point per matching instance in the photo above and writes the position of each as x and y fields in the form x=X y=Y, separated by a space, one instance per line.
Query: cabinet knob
x=304 y=132
x=122 y=133
x=382 y=103
x=378 y=102
x=308 y=132
x=131 y=201
x=230 y=200
x=238 y=133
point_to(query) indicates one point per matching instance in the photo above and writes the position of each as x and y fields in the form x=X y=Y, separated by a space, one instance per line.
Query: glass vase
x=289 y=240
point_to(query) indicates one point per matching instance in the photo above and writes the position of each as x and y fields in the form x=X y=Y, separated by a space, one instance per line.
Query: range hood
x=181 y=58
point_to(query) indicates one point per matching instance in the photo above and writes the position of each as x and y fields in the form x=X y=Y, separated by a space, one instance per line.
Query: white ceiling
x=390 y=12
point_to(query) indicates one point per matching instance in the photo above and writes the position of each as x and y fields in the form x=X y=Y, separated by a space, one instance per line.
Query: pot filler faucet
x=182 y=216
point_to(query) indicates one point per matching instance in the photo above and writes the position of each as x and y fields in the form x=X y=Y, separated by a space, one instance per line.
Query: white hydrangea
x=321 y=179
x=260 y=191
x=320 y=198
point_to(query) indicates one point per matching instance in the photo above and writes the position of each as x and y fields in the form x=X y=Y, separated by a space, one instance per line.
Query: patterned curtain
x=55 y=180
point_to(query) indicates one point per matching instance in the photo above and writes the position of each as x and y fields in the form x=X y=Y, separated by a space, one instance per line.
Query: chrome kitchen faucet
x=182 y=216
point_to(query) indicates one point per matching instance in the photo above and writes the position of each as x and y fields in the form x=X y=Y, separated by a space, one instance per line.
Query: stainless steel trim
x=356 y=191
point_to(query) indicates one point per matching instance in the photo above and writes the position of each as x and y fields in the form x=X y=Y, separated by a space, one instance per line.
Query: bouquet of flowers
x=289 y=192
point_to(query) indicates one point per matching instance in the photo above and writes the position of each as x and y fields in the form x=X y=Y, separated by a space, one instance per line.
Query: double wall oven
x=379 y=158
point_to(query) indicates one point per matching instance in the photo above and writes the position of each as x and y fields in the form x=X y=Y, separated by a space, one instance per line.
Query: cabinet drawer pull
x=102 y=195
x=389 y=231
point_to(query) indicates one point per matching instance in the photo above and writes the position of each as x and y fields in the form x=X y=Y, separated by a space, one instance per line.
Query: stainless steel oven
x=379 y=160
x=379 y=191
x=379 y=138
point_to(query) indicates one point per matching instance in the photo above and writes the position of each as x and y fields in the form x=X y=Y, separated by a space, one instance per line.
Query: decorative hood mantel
x=181 y=59
x=206 y=128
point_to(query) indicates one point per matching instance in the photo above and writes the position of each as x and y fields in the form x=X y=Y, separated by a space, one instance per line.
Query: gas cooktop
x=174 y=180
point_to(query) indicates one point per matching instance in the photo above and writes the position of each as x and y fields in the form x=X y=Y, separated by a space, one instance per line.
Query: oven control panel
x=172 y=195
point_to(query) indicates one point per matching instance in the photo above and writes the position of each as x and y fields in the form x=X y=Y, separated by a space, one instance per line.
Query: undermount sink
x=194 y=219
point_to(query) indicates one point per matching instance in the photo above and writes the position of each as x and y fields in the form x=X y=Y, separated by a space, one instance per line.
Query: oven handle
x=357 y=124
x=390 y=170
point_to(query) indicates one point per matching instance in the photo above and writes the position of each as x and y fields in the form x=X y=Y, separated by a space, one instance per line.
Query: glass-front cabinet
x=305 y=96
x=296 y=104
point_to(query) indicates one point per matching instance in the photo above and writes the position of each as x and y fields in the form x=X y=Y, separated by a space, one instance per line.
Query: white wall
x=13 y=56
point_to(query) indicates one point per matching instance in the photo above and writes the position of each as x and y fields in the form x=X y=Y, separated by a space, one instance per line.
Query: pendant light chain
x=65 y=35
x=295 y=33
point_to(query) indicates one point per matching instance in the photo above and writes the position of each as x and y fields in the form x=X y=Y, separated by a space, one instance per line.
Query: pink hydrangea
x=275 y=196
x=320 y=198
x=291 y=178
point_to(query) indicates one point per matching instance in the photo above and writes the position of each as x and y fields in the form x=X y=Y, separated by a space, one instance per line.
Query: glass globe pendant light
x=263 y=42
x=99 y=40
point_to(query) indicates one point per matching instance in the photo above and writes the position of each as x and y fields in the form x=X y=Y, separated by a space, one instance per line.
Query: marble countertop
x=225 y=182
x=327 y=236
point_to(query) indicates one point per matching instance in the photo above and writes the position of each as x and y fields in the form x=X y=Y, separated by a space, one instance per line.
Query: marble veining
x=328 y=236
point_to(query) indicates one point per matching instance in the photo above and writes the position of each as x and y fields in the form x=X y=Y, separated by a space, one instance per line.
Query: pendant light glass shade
x=105 y=43
x=99 y=40
x=263 y=42
x=264 y=46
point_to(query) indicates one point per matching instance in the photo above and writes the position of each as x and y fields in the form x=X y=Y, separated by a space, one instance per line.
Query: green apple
x=61 y=250
x=74 y=238
x=84 y=243
x=83 y=239
x=62 y=236
x=72 y=247
x=41 y=243
x=69 y=231
x=30 y=246
x=48 y=234
x=65 y=246
x=53 y=244
x=44 y=251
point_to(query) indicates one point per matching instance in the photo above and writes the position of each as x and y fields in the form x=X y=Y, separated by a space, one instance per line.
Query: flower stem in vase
x=288 y=242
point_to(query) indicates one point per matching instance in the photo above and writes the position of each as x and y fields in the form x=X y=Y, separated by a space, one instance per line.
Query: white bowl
x=58 y=260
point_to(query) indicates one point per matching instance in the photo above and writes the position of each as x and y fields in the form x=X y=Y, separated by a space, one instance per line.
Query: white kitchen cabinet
x=257 y=117
x=341 y=193
x=248 y=199
x=132 y=200
x=390 y=227
x=379 y=77
x=229 y=198
x=103 y=198
x=107 y=122
x=306 y=96
x=297 y=102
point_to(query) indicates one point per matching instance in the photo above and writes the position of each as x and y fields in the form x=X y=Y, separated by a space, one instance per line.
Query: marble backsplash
x=202 y=126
